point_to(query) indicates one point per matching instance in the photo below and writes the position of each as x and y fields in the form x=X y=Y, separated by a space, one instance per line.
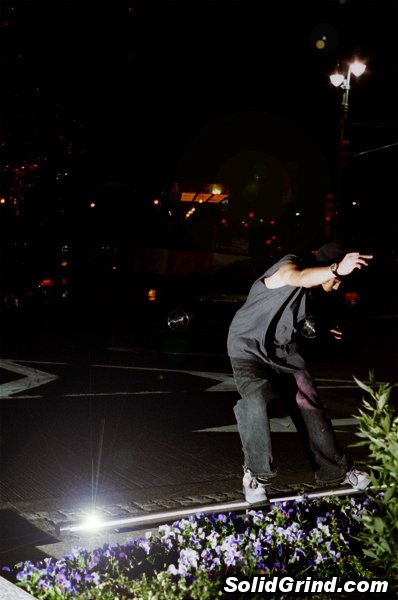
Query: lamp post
x=342 y=80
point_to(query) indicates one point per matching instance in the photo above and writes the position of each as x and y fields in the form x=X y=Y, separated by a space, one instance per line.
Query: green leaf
x=370 y=553
x=363 y=386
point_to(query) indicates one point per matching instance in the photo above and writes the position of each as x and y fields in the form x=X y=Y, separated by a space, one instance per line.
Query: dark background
x=112 y=102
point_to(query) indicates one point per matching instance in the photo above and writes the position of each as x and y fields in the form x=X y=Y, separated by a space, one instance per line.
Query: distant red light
x=152 y=295
x=351 y=298
x=46 y=283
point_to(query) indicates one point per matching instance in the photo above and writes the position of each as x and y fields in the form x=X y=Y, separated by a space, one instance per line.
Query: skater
x=263 y=350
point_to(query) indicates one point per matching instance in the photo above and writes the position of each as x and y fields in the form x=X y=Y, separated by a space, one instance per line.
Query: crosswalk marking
x=224 y=382
x=32 y=378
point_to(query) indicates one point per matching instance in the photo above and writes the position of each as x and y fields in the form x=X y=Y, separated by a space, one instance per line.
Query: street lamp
x=342 y=80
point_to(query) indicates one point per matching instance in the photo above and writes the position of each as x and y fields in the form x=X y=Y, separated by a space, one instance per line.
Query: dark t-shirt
x=264 y=327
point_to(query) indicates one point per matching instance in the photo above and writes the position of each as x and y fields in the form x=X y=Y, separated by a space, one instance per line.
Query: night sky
x=161 y=91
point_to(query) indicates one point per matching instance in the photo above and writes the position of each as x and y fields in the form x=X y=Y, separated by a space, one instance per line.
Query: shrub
x=378 y=429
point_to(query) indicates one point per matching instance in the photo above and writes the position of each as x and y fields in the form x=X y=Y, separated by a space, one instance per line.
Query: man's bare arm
x=290 y=274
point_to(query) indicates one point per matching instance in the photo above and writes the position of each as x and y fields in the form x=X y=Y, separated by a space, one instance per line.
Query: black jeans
x=256 y=382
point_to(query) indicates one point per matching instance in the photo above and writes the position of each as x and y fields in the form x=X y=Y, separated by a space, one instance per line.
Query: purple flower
x=93 y=577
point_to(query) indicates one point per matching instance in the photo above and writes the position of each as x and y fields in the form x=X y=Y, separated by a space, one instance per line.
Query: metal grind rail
x=161 y=517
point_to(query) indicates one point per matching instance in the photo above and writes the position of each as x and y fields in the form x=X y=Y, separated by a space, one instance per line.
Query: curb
x=9 y=591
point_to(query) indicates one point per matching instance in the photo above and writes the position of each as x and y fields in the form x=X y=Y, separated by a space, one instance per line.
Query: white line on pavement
x=279 y=425
x=116 y=393
x=32 y=378
x=35 y=377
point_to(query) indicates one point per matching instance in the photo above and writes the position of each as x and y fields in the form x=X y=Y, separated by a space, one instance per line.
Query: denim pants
x=257 y=383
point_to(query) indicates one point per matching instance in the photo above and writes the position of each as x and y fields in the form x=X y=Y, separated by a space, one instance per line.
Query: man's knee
x=255 y=405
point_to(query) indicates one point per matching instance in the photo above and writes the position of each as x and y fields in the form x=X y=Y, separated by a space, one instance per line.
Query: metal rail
x=158 y=518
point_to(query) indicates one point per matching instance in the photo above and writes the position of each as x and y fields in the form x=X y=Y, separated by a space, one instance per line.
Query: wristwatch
x=334 y=268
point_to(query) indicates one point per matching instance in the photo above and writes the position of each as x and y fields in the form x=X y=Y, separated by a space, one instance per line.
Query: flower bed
x=190 y=558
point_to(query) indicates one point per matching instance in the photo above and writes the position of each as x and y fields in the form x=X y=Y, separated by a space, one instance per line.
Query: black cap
x=331 y=252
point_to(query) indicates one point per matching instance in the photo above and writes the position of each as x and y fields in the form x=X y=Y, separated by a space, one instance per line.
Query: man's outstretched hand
x=352 y=261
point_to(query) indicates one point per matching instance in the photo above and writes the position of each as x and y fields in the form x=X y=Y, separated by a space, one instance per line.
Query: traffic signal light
x=344 y=154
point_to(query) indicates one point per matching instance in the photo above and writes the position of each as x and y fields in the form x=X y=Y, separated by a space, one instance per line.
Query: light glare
x=92 y=521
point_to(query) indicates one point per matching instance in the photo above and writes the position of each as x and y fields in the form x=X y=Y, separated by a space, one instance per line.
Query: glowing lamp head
x=337 y=79
x=357 y=68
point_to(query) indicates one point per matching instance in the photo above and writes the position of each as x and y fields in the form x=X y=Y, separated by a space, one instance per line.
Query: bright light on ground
x=92 y=521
